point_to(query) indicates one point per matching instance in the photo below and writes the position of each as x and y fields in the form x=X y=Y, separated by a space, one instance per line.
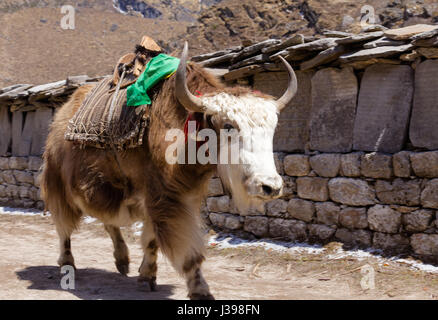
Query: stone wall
x=375 y=200
x=357 y=149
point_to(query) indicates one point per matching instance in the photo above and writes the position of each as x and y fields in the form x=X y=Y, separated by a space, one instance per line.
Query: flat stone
x=326 y=165
x=373 y=28
x=428 y=53
x=384 y=107
x=18 y=163
x=353 y=218
x=312 y=188
x=423 y=130
x=425 y=244
x=276 y=208
x=292 y=132
x=233 y=222
x=336 y=34
x=394 y=243
x=301 y=209
x=252 y=60
x=287 y=229
x=225 y=59
x=215 y=188
x=4 y=163
x=296 y=165
x=8 y=177
x=324 y=57
x=408 y=32
x=255 y=49
x=5 y=131
x=327 y=213
x=360 y=238
x=425 y=164
x=383 y=42
x=363 y=64
x=379 y=52
x=384 y=219
x=431 y=42
x=18 y=92
x=334 y=95
x=23 y=176
x=210 y=55
x=401 y=164
x=76 y=80
x=242 y=72
x=356 y=38
x=47 y=87
x=353 y=192
x=376 y=165
x=291 y=41
x=289 y=187
x=256 y=225
x=429 y=195
x=418 y=220
x=35 y=163
x=320 y=231
x=425 y=35
x=317 y=45
x=399 y=192
x=218 y=204
x=350 y=164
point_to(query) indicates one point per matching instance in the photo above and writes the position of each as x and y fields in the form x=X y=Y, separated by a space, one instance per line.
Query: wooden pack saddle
x=104 y=120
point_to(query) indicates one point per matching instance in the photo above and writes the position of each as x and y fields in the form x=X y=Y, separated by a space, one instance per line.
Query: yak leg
x=148 y=268
x=181 y=240
x=64 y=230
x=121 y=252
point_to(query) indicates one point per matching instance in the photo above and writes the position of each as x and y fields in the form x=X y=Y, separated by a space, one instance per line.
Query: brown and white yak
x=165 y=197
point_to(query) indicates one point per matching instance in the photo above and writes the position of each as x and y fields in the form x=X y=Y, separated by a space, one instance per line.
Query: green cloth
x=158 y=68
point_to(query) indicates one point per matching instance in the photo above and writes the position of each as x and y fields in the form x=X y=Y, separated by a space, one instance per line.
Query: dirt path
x=29 y=249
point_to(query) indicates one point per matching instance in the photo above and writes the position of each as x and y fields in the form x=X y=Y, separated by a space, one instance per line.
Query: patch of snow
x=22 y=212
x=228 y=241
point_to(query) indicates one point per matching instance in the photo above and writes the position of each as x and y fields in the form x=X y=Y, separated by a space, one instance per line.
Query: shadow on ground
x=92 y=284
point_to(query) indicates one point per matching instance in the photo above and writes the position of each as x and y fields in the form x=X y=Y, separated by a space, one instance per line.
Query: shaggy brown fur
x=166 y=197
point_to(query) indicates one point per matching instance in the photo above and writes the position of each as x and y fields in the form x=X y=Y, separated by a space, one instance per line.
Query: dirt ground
x=28 y=270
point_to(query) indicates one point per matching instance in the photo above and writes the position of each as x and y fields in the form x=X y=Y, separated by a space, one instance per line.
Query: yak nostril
x=267 y=189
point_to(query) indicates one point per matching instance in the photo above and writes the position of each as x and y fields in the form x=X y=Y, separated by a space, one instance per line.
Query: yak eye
x=228 y=126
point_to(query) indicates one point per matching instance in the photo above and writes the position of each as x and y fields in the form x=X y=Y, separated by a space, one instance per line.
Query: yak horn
x=291 y=88
x=182 y=93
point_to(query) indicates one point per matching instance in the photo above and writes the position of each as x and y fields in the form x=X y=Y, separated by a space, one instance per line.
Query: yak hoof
x=123 y=268
x=151 y=281
x=198 y=296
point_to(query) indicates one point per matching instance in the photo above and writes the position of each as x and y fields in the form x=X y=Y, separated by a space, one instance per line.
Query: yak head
x=245 y=126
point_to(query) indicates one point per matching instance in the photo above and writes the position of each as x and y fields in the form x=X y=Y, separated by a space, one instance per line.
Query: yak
x=144 y=187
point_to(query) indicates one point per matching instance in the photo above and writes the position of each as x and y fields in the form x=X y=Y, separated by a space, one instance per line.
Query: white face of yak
x=252 y=179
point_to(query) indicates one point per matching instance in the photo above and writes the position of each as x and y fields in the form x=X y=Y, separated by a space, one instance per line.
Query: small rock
x=215 y=187
x=256 y=225
x=417 y=221
x=327 y=213
x=425 y=244
x=312 y=188
x=402 y=164
x=350 y=164
x=326 y=165
x=353 y=192
x=218 y=204
x=288 y=229
x=376 y=165
x=354 y=237
x=18 y=163
x=320 y=231
x=353 y=218
x=276 y=208
x=296 y=165
x=390 y=242
x=301 y=209
x=399 y=192
x=408 y=32
x=384 y=219
x=429 y=195
x=424 y=164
